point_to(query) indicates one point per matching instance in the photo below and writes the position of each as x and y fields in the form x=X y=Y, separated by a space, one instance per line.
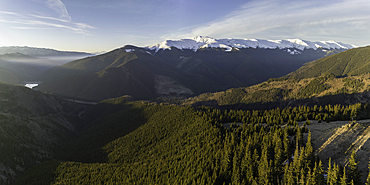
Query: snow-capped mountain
x=289 y=45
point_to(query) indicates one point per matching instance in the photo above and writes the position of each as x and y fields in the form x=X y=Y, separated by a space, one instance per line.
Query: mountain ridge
x=197 y=42
x=35 y=51
x=172 y=71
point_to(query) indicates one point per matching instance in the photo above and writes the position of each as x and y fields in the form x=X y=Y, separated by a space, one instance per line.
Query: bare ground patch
x=338 y=139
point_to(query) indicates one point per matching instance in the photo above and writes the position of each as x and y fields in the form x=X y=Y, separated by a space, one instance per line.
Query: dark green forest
x=150 y=143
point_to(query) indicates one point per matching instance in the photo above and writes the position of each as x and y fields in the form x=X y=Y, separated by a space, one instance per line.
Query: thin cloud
x=23 y=21
x=29 y=28
x=10 y=13
x=57 y=6
x=50 y=18
x=278 y=19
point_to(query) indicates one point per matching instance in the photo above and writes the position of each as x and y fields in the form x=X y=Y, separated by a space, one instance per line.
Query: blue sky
x=97 y=25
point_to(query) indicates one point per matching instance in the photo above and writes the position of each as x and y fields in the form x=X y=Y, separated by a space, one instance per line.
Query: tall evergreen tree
x=353 y=172
x=329 y=173
x=236 y=174
x=343 y=179
x=368 y=176
x=309 y=153
x=286 y=142
x=264 y=169
x=318 y=173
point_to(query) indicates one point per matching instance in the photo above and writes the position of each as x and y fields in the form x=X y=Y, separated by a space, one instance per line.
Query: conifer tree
x=289 y=177
x=278 y=157
x=336 y=175
x=309 y=179
x=286 y=142
x=353 y=172
x=247 y=166
x=309 y=153
x=318 y=173
x=264 y=169
x=329 y=173
x=343 y=180
x=299 y=136
x=236 y=177
x=368 y=176
x=296 y=164
x=302 y=178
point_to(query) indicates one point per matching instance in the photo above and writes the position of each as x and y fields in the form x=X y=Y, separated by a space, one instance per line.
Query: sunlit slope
x=291 y=92
x=129 y=71
x=32 y=126
x=351 y=62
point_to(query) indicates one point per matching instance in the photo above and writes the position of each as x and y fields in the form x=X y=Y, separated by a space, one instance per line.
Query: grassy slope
x=289 y=90
x=351 y=62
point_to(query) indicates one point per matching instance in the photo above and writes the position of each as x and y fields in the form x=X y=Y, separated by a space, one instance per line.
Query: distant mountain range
x=292 y=46
x=183 y=67
x=33 y=51
x=24 y=63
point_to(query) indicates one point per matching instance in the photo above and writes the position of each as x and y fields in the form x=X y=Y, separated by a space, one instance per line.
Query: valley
x=138 y=115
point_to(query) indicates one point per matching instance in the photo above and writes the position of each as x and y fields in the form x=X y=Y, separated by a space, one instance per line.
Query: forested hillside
x=350 y=62
x=284 y=92
x=9 y=76
x=149 y=143
x=32 y=126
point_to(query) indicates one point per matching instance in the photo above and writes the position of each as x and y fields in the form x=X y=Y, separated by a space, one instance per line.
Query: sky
x=103 y=25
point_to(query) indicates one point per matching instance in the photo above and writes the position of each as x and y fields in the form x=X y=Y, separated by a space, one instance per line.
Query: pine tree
x=368 y=176
x=309 y=179
x=302 y=178
x=343 y=180
x=336 y=175
x=286 y=143
x=289 y=177
x=247 y=166
x=318 y=173
x=236 y=177
x=329 y=173
x=264 y=169
x=296 y=165
x=353 y=172
x=299 y=136
x=278 y=157
x=309 y=154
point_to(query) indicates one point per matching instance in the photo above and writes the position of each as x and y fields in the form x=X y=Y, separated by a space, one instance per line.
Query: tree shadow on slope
x=342 y=99
x=110 y=122
x=42 y=174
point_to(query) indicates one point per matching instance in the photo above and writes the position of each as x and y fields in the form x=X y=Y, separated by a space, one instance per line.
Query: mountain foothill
x=189 y=111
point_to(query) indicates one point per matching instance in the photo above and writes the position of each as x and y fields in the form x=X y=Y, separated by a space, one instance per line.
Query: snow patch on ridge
x=129 y=50
x=293 y=45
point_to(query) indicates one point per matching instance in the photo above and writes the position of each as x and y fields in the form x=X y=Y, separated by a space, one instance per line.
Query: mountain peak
x=194 y=43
